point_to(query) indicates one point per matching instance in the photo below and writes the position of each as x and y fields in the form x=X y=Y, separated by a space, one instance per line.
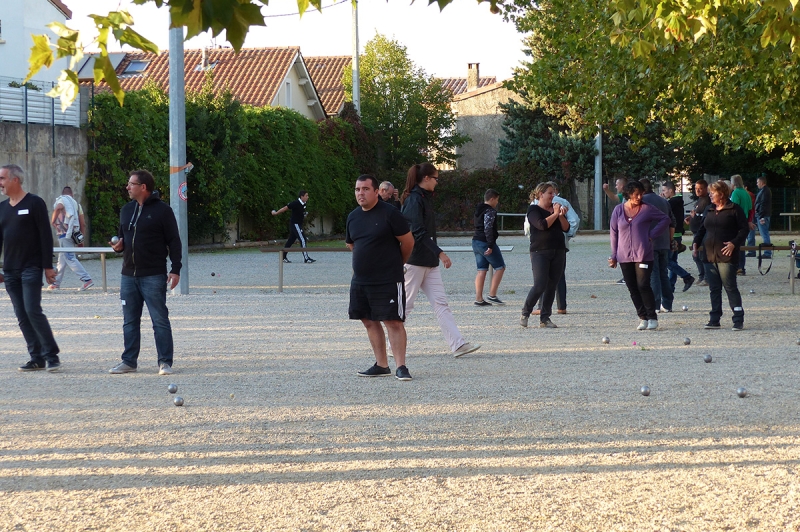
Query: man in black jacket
x=695 y=221
x=487 y=252
x=298 y=208
x=148 y=232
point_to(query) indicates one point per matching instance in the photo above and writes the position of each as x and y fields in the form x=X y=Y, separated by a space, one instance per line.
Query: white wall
x=299 y=97
x=20 y=20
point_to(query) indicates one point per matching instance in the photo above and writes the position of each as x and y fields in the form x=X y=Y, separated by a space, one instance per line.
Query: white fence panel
x=42 y=109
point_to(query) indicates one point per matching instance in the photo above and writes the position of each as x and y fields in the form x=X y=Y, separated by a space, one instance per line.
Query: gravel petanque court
x=538 y=430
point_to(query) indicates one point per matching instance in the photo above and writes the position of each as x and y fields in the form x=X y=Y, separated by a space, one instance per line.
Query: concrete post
x=356 y=75
x=598 y=180
x=177 y=150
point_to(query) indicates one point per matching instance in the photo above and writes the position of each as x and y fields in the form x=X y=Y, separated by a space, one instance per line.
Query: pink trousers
x=429 y=280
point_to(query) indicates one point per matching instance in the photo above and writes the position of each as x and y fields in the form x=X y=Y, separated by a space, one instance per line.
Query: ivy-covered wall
x=247 y=161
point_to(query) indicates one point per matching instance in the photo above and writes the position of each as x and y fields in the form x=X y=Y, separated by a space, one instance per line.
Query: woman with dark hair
x=422 y=269
x=548 y=253
x=723 y=232
x=633 y=227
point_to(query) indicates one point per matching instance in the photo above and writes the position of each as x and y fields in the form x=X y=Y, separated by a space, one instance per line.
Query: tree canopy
x=410 y=110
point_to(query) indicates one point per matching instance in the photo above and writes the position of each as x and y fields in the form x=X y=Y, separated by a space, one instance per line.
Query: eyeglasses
x=133 y=184
x=436 y=177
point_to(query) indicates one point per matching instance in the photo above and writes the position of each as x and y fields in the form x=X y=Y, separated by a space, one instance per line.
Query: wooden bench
x=278 y=250
x=101 y=251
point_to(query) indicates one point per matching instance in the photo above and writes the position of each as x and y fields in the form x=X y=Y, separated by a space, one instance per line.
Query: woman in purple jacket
x=633 y=226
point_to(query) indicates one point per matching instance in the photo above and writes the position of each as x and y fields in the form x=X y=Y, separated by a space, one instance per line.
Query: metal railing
x=29 y=104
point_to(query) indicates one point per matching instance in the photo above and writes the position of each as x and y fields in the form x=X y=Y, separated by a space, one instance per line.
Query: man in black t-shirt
x=381 y=243
x=298 y=208
x=27 y=245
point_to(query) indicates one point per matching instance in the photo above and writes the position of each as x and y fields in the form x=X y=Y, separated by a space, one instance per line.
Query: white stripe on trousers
x=400 y=305
x=302 y=239
x=429 y=280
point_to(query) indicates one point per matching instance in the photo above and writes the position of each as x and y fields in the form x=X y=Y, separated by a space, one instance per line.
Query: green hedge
x=247 y=161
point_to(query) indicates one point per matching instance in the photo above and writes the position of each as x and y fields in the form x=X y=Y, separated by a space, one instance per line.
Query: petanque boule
x=606 y=340
x=114 y=239
x=172 y=388
x=707 y=359
x=687 y=341
x=798 y=341
x=178 y=400
x=213 y=274
x=645 y=390
x=741 y=392
x=752 y=291
x=685 y=308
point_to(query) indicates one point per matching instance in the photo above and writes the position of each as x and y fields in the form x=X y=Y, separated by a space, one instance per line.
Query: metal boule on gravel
x=752 y=291
x=707 y=359
x=687 y=341
x=213 y=274
x=172 y=388
x=178 y=400
x=798 y=341
x=606 y=340
x=741 y=392
x=685 y=308
x=645 y=390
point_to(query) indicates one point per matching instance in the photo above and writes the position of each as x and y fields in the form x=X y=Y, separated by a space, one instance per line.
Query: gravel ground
x=538 y=430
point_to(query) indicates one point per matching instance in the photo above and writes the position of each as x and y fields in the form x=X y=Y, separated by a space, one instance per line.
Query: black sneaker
x=687 y=283
x=621 y=281
x=712 y=325
x=402 y=374
x=495 y=300
x=32 y=366
x=309 y=260
x=53 y=366
x=286 y=261
x=376 y=371
x=750 y=254
x=482 y=304
x=737 y=327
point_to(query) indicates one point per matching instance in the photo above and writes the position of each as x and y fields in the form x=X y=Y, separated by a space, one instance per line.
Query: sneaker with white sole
x=52 y=367
x=165 y=369
x=495 y=300
x=376 y=371
x=402 y=374
x=652 y=325
x=547 y=324
x=32 y=365
x=121 y=368
x=642 y=325
x=712 y=325
x=87 y=285
x=466 y=349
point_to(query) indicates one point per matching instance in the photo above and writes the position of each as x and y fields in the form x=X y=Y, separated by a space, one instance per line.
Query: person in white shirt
x=574 y=222
x=67 y=219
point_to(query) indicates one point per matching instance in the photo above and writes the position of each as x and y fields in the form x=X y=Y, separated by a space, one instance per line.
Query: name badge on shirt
x=643 y=266
x=22 y=211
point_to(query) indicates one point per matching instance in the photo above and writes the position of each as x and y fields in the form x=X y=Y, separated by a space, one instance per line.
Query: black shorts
x=381 y=302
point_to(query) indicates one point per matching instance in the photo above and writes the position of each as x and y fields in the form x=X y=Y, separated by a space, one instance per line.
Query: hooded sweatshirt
x=150 y=233
x=485 y=222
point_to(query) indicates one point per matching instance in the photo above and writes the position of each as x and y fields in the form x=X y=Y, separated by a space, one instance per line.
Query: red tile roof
x=254 y=75
x=326 y=73
x=61 y=6
x=459 y=85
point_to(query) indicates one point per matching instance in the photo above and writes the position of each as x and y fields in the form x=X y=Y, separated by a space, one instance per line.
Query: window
x=288 y=93
x=136 y=67
x=1 y=33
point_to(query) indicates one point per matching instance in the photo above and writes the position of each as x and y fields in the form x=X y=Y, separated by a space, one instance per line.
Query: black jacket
x=728 y=224
x=485 y=222
x=418 y=210
x=150 y=233
x=763 y=203
x=696 y=221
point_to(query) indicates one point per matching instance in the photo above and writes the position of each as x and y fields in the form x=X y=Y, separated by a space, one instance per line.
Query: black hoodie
x=418 y=211
x=150 y=233
x=485 y=222
x=720 y=225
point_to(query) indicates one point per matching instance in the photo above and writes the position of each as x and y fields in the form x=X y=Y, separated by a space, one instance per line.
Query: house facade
x=19 y=21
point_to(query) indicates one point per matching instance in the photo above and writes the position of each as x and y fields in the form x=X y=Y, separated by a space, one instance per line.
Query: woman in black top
x=723 y=232
x=548 y=253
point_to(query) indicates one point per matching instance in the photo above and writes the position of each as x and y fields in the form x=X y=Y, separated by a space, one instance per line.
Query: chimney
x=473 y=78
x=204 y=59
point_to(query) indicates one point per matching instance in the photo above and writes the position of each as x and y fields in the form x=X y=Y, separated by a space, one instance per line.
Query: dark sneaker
x=376 y=371
x=286 y=261
x=523 y=320
x=402 y=374
x=309 y=260
x=482 y=304
x=32 y=365
x=495 y=300
x=547 y=325
x=687 y=283
x=121 y=368
x=750 y=254
x=621 y=281
x=52 y=367
x=741 y=272
x=712 y=325
x=737 y=327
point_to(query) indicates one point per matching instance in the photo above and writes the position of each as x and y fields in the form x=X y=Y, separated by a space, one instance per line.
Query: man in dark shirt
x=27 y=245
x=389 y=193
x=298 y=208
x=676 y=204
x=695 y=221
x=662 y=245
x=763 y=211
x=381 y=243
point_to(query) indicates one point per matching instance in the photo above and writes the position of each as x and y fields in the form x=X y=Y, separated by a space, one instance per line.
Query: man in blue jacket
x=148 y=232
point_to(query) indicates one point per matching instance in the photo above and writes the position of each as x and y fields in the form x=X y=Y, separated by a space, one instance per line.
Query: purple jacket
x=631 y=241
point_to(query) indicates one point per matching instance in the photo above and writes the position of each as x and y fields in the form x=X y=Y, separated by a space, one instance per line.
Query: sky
x=442 y=43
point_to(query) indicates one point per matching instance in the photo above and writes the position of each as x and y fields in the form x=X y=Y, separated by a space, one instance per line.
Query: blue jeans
x=719 y=275
x=24 y=288
x=763 y=230
x=134 y=292
x=659 y=279
x=675 y=269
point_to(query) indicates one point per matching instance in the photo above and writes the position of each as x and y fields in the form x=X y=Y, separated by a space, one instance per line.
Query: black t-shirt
x=376 y=251
x=25 y=234
x=298 y=209
x=542 y=236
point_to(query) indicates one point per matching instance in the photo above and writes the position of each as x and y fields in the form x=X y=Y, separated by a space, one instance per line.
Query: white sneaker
x=652 y=325
x=465 y=349
x=164 y=369
x=662 y=309
x=642 y=326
